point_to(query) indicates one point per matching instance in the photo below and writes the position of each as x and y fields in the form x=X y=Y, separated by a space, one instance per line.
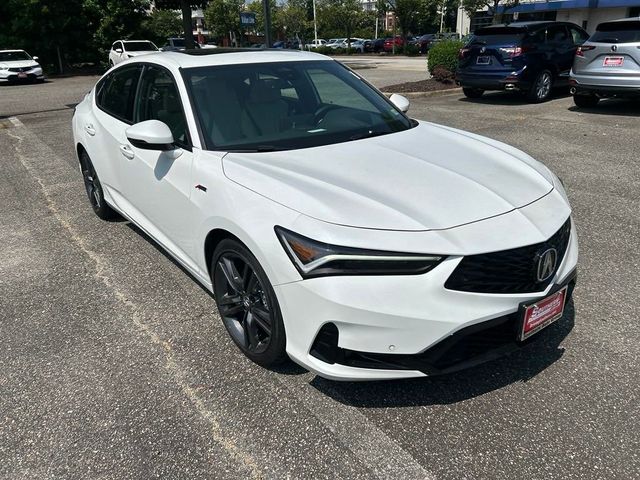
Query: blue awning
x=561 y=5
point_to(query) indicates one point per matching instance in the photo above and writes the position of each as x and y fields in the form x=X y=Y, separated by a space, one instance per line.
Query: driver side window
x=158 y=99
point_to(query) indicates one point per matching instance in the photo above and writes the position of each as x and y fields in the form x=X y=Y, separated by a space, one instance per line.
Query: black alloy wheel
x=94 y=189
x=247 y=304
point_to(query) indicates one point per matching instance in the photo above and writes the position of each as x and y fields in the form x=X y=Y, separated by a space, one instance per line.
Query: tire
x=247 y=304
x=540 y=90
x=472 y=92
x=94 y=191
x=585 y=101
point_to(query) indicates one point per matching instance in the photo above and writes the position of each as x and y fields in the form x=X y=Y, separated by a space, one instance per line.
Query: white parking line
x=383 y=455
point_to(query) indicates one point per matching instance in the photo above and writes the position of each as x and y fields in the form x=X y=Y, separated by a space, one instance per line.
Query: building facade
x=586 y=13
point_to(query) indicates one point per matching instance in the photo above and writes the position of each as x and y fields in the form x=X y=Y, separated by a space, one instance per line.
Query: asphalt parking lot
x=113 y=363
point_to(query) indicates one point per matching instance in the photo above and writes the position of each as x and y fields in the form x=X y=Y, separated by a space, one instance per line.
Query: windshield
x=178 y=42
x=617 y=32
x=13 y=56
x=139 y=46
x=287 y=105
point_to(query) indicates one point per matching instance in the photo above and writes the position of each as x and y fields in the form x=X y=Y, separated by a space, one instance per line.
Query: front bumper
x=390 y=327
x=15 y=77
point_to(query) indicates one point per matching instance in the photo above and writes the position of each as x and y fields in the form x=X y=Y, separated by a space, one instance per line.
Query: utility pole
x=267 y=23
x=315 y=25
x=442 y=9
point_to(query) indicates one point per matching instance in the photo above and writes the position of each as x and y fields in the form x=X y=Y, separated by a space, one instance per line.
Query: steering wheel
x=320 y=113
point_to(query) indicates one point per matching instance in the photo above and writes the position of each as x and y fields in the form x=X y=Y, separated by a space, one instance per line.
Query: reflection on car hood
x=428 y=177
x=19 y=63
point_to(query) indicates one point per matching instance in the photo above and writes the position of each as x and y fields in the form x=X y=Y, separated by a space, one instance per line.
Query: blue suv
x=527 y=57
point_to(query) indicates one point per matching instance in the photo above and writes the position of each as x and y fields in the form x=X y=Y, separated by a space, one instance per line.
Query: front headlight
x=4 y=67
x=318 y=259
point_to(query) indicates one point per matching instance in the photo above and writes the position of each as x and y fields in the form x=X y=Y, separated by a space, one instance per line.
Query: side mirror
x=151 y=135
x=35 y=59
x=401 y=102
x=118 y=50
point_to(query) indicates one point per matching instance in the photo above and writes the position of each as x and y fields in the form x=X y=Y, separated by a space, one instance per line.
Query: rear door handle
x=90 y=129
x=127 y=152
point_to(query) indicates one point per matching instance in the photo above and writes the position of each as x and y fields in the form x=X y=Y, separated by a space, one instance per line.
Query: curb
x=431 y=93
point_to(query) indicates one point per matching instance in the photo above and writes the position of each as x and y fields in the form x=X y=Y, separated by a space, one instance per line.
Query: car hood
x=141 y=52
x=19 y=63
x=426 y=178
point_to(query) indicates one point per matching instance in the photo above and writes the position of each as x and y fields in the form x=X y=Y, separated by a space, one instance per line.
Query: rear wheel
x=247 y=304
x=93 y=188
x=472 y=92
x=585 y=101
x=540 y=91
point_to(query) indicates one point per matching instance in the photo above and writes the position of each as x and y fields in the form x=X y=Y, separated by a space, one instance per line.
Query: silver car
x=608 y=64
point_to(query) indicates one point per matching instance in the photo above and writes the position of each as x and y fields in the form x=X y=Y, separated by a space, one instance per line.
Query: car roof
x=629 y=19
x=14 y=50
x=227 y=56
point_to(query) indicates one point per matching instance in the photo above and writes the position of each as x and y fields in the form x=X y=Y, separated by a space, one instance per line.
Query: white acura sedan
x=330 y=227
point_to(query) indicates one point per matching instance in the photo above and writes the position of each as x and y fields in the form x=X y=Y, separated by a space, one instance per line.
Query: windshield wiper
x=258 y=149
x=367 y=134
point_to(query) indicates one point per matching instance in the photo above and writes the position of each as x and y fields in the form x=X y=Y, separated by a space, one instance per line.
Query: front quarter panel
x=245 y=214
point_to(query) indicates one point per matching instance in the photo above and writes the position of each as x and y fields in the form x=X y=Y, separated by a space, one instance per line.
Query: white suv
x=122 y=50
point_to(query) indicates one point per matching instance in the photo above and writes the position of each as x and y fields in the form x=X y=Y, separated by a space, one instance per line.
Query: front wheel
x=472 y=92
x=585 y=101
x=540 y=91
x=247 y=304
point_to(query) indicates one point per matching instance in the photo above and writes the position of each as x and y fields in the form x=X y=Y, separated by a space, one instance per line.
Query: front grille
x=508 y=271
x=20 y=69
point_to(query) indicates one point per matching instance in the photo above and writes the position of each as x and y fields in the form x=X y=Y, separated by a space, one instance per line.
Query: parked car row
x=534 y=57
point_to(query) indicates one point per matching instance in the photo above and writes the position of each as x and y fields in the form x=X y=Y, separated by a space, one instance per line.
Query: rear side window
x=498 y=36
x=116 y=93
x=578 y=36
x=558 y=34
x=617 y=32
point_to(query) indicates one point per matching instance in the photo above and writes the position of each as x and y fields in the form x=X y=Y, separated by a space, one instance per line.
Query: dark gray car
x=608 y=64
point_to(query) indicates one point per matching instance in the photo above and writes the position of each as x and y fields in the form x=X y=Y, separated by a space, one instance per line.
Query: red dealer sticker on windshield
x=543 y=313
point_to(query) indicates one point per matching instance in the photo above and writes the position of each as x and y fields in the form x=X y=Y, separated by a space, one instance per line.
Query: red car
x=388 y=43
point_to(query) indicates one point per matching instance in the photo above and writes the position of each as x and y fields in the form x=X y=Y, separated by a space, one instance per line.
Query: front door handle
x=90 y=129
x=127 y=152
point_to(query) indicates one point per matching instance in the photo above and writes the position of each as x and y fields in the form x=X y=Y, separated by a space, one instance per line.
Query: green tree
x=341 y=17
x=492 y=6
x=162 y=24
x=112 y=20
x=185 y=7
x=54 y=30
x=223 y=17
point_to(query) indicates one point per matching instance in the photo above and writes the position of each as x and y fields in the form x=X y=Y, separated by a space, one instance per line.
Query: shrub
x=444 y=54
x=411 y=50
x=323 y=50
x=443 y=74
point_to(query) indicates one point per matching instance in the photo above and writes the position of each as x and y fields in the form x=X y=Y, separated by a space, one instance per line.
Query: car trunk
x=614 y=49
x=492 y=49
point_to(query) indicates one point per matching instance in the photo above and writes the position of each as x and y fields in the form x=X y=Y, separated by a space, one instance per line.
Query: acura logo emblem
x=547 y=264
